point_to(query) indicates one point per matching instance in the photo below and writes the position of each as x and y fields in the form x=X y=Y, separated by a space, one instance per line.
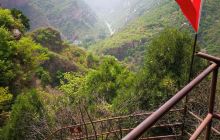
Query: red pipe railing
x=116 y=130
x=157 y=115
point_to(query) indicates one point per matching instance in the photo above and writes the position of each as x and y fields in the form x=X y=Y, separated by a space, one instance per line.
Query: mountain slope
x=62 y=57
x=73 y=18
x=129 y=44
x=119 y=13
x=210 y=27
x=37 y=17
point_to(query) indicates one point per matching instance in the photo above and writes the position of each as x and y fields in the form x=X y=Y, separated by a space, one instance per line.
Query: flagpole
x=189 y=79
x=196 y=8
x=193 y=58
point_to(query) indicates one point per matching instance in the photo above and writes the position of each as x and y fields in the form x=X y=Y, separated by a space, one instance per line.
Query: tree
x=92 y=61
x=29 y=56
x=166 y=67
x=5 y=103
x=44 y=76
x=17 y=14
x=49 y=38
x=25 y=118
x=104 y=82
x=101 y=88
x=126 y=99
x=8 y=21
x=7 y=68
x=73 y=88
x=18 y=59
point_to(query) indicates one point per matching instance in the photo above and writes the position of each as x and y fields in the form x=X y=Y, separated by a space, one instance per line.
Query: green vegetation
x=63 y=57
x=106 y=81
x=20 y=16
x=18 y=59
x=98 y=88
x=49 y=38
x=45 y=81
x=81 y=23
x=130 y=40
x=112 y=87
x=27 y=112
x=210 y=27
x=5 y=102
x=8 y=21
x=142 y=28
x=166 y=67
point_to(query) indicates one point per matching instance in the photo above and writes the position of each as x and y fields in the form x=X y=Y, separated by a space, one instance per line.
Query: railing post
x=212 y=102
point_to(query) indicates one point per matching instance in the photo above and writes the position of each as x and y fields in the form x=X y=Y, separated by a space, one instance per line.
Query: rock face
x=71 y=17
x=16 y=34
x=124 y=50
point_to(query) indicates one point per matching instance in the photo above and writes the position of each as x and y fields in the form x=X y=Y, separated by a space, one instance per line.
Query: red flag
x=192 y=11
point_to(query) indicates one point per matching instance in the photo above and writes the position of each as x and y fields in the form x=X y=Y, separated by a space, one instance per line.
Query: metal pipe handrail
x=146 y=114
x=129 y=129
x=209 y=57
x=212 y=101
x=201 y=120
x=201 y=127
x=216 y=116
x=152 y=119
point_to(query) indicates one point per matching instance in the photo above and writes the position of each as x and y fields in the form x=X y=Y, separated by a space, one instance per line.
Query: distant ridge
x=73 y=18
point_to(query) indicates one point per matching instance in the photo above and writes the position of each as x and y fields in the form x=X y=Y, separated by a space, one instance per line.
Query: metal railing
x=206 y=123
x=114 y=128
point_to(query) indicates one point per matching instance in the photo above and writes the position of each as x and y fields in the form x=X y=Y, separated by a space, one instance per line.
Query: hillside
x=129 y=43
x=118 y=13
x=81 y=23
x=37 y=17
x=210 y=25
x=62 y=56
